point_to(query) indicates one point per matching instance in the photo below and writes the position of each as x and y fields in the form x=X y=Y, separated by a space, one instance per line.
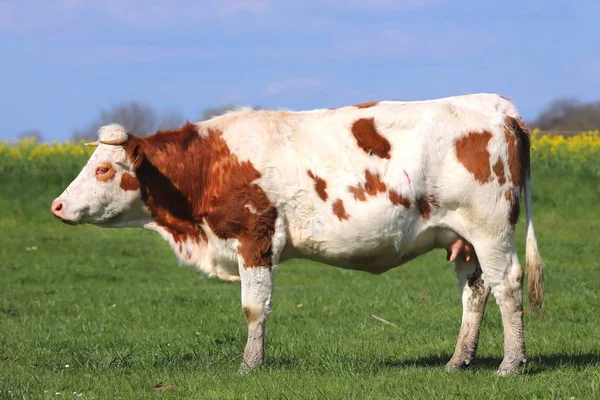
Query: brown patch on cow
x=372 y=186
x=358 y=192
x=514 y=165
x=472 y=153
x=187 y=178
x=425 y=204
x=518 y=142
x=509 y=194
x=369 y=139
x=397 y=199
x=512 y=195
x=105 y=176
x=320 y=185
x=519 y=163
x=367 y=105
x=129 y=182
x=339 y=210
x=499 y=171
x=250 y=315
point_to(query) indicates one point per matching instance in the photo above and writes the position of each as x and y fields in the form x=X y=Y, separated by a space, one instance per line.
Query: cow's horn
x=92 y=144
x=114 y=142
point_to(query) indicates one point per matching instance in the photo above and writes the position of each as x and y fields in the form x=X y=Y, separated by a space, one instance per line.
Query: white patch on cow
x=251 y=208
x=215 y=257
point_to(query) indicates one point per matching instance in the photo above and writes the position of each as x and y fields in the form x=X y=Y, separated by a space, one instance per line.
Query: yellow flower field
x=582 y=150
x=28 y=149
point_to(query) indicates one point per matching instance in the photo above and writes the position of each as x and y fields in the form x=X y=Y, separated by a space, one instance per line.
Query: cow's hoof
x=512 y=367
x=245 y=368
x=458 y=363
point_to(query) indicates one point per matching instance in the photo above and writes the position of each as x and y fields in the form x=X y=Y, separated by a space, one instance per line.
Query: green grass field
x=108 y=314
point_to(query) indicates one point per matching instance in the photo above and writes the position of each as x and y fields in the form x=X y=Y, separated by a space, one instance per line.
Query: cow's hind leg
x=474 y=291
x=501 y=268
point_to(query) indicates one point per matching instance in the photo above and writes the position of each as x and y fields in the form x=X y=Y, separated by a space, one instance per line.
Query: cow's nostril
x=57 y=208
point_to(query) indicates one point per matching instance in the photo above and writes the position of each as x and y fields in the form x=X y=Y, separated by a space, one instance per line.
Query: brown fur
x=499 y=171
x=425 y=204
x=397 y=199
x=515 y=209
x=373 y=185
x=339 y=210
x=320 y=185
x=367 y=105
x=472 y=152
x=518 y=142
x=250 y=315
x=186 y=178
x=358 y=192
x=129 y=182
x=109 y=175
x=512 y=196
x=509 y=194
x=369 y=139
x=517 y=139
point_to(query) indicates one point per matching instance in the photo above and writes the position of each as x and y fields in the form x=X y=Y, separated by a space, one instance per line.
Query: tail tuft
x=534 y=270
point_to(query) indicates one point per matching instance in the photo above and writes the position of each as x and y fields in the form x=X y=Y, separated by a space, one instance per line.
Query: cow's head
x=106 y=191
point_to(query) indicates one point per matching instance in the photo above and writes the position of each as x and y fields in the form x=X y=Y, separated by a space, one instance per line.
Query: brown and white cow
x=365 y=187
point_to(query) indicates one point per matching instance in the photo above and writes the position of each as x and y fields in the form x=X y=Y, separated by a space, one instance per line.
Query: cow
x=366 y=187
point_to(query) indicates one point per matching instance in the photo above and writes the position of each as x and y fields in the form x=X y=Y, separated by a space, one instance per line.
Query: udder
x=459 y=248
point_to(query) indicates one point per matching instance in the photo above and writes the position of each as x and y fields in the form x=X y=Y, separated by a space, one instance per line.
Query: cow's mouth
x=66 y=221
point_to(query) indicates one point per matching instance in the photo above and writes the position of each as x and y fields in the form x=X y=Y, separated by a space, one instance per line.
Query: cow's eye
x=101 y=170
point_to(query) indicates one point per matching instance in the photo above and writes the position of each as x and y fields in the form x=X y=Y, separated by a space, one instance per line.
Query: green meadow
x=109 y=314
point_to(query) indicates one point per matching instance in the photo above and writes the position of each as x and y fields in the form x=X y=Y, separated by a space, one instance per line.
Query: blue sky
x=64 y=60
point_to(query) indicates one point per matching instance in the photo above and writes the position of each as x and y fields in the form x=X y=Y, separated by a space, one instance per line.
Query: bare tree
x=170 y=120
x=34 y=133
x=569 y=114
x=137 y=118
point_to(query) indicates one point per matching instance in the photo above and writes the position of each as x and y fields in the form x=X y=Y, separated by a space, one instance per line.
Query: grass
x=108 y=314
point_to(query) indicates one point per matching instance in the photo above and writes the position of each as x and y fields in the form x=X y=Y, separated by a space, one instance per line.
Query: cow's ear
x=135 y=152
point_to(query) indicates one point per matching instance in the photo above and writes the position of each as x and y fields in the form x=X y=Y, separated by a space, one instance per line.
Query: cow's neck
x=199 y=194
x=171 y=167
x=188 y=178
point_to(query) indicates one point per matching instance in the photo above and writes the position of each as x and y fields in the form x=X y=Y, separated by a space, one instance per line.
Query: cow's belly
x=374 y=244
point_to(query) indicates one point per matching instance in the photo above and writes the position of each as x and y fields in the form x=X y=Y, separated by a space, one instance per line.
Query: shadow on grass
x=535 y=364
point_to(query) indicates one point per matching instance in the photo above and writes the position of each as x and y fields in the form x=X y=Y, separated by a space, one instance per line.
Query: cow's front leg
x=257 y=288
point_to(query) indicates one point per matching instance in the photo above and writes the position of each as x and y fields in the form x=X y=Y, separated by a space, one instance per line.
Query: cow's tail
x=533 y=259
